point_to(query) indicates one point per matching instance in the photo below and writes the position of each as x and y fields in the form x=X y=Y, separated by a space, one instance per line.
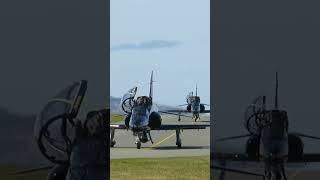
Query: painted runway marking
x=160 y=142
x=163 y=140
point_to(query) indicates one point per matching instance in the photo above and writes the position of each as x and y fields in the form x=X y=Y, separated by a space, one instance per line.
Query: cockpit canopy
x=193 y=99
x=52 y=125
x=139 y=108
x=143 y=101
x=276 y=118
x=127 y=100
x=274 y=124
x=140 y=112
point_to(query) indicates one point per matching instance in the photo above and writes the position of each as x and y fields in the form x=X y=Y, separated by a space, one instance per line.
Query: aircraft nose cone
x=137 y=124
x=275 y=149
x=196 y=109
x=138 y=121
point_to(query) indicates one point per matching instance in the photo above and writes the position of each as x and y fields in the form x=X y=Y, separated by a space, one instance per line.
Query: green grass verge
x=179 y=168
x=5 y=171
x=116 y=118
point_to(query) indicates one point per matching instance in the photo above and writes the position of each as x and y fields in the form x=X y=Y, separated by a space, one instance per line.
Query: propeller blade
x=31 y=170
x=237 y=171
x=233 y=137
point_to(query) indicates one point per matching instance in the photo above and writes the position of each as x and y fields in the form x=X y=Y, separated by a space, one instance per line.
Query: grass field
x=179 y=168
x=291 y=175
x=116 y=118
x=6 y=169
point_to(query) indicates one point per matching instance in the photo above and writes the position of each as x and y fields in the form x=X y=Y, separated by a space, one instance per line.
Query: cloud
x=146 y=45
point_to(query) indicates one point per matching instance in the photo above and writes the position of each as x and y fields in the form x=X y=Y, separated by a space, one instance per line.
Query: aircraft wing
x=231 y=157
x=205 y=111
x=178 y=111
x=310 y=157
x=172 y=113
x=185 y=111
x=167 y=126
x=182 y=126
x=306 y=158
x=118 y=126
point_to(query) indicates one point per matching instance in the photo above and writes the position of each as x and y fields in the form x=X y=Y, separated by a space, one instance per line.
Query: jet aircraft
x=269 y=141
x=142 y=116
x=194 y=106
x=77 y=149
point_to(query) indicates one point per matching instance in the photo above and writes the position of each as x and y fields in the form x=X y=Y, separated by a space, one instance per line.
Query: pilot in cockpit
x=140 y=112
x=143 y=101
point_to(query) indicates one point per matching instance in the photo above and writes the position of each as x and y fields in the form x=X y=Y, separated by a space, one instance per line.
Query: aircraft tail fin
x=196 y=90
x=276 y=93
x=151 y=86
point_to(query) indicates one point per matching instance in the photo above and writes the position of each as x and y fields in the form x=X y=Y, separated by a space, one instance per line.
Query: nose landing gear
x=138 y=143
x=112 y=141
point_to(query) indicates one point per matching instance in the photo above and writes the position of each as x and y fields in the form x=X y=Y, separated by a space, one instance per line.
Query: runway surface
x=294 y=171
x=291 y=175
x=194 y=142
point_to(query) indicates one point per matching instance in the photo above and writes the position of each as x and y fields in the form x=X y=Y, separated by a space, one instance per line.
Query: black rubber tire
x=112 y=143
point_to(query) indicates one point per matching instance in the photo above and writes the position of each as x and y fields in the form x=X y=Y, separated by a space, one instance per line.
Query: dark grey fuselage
x=274 y=141
x=274 y=136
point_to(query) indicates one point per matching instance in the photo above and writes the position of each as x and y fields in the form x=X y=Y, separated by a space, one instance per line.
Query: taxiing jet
x=194 y=106
x=269 y=142
x=142 y=116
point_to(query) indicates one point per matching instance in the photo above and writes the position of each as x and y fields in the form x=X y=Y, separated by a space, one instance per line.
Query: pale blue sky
x=170 y=37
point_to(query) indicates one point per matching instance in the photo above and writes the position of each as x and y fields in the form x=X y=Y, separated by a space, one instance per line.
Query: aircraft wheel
x=179 y=145
x=112 y=143
x=138 y=145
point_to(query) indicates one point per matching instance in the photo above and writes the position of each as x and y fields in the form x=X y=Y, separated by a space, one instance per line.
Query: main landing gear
x=178 y=139
x=138 y=139
x=112 y=141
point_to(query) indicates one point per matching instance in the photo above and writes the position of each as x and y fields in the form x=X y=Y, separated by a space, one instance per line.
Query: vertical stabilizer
x=151 y=86
x=276 y=93
x=196 y=90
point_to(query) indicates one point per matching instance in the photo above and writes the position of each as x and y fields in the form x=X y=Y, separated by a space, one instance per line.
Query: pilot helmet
x=96 y=122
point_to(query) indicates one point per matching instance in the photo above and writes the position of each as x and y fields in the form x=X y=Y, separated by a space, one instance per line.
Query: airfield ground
x=162 y=160
x=194 y=142
x=291 y=175
x=6 y=169
x=161 y=168
x=164 y=168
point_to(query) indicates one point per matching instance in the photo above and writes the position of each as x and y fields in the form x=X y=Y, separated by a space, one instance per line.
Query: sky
x=46 y=46
x=254 y=39
x=170 y=37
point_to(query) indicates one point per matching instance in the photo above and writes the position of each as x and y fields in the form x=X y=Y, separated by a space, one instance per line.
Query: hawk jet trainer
x=142 y=116
x=269 y=142
x=194 y=106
